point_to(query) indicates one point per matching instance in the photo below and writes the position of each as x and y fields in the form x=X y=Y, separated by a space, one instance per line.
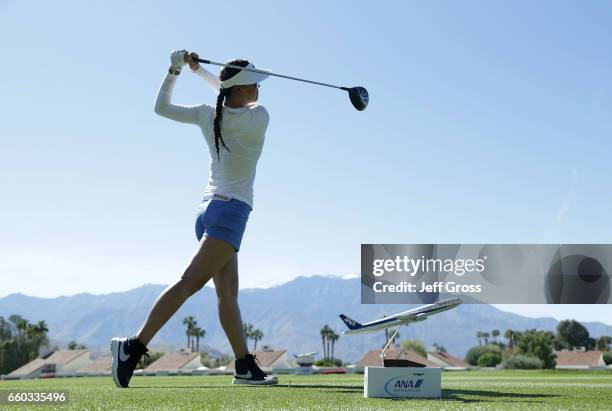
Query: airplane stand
x=404 y=379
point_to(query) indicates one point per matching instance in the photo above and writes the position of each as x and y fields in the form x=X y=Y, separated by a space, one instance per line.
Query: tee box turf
x=402 y=382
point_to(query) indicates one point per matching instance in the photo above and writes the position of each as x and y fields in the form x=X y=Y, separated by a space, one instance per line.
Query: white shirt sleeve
x=212 y=80
x=261 y=118
x=163 y=106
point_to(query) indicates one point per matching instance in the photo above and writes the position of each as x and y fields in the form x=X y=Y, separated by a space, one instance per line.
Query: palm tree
x=257 y=335
x=479 y=336
x=248 y=331
x=15 y=318
x=190 y=322
x=439 y=347
x=486 y=336
x=41 y=330
x=5 y=330
x=494 y=334
x=22 y=326
x=41 y=326
x=324 y=335
x=509 y=335
x=397 y=336
x=333 y=337
x=198 y=333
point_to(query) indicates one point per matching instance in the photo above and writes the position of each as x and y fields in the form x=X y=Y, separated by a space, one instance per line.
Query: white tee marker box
x=402 y=382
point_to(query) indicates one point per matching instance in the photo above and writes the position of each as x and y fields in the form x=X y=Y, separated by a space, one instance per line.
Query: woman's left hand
x=190 y=58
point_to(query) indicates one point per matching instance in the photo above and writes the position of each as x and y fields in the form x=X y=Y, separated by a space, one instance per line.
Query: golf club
x=358 y=95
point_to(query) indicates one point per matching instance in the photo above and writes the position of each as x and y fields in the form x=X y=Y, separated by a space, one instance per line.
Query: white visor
x=246 y=77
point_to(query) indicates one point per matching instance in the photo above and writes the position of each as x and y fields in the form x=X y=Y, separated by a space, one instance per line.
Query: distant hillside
x=289 y=315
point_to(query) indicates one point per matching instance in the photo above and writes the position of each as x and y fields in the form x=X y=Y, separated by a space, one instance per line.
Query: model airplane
x=406 y=317
x=305 y=359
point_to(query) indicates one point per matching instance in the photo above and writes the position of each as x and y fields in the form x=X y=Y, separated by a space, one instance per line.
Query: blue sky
x=489 y=122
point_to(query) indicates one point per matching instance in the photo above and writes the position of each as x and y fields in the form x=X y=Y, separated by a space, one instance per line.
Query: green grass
x=460 y=390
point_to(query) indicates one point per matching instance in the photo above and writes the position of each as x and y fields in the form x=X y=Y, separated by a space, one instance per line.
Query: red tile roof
x=57 y=358
x=28 y=368
x=98 y=366
x=449 y=359
x=579 y=358
x=172 y=361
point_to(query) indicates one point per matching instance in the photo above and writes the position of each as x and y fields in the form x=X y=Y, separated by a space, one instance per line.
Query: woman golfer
x=234 y=130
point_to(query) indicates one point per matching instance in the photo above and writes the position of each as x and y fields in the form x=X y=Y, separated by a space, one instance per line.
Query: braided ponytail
x=224 y=94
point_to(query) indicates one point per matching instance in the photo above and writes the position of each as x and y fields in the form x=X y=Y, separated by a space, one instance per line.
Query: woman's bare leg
x=226 y=285
x=211 y=255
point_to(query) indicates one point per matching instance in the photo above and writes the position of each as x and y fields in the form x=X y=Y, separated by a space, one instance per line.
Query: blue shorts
x=223 y=219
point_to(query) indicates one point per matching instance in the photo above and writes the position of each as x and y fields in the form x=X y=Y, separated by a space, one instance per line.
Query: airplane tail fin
x=350 y=323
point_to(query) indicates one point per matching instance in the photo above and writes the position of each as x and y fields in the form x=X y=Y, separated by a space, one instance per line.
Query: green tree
x=5 y=330
x=15 y=319
x=489 y=359
x=257 y=335
x=20 y=341
x=147 y=360
x=248 y=331
x=509 y=335
x=333 y=337
x=571 y=333
x=475 y=352
x=538 y=344
x=189 y=322
x=603 y=343
x=198 y=333
x=495 y=334
x=479 y=336
x=438 y=347
x=522 y=362
x=414 y=345
x=325 y=332
x=37 y=333
x=72 y=345
x=485 y=337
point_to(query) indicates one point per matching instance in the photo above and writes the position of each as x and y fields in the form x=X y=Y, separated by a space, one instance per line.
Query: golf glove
x=177 y=58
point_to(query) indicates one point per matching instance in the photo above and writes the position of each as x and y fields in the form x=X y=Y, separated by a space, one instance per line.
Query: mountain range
x=289 y=315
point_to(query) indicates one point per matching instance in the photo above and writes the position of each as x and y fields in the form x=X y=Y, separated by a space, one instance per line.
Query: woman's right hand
x=178 y=58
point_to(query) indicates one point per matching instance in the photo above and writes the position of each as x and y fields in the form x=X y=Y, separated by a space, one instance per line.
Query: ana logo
x=349 y=321
x=403 y=384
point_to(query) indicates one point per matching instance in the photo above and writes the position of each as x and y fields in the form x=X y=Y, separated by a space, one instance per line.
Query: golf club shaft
x=269 y=73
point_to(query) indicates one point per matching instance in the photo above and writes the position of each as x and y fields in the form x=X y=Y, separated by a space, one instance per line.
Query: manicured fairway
x=461 y=390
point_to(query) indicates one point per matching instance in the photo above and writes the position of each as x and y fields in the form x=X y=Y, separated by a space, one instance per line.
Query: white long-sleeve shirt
x=243 y=130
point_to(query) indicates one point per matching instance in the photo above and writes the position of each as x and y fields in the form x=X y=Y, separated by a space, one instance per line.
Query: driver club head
x=359 y=97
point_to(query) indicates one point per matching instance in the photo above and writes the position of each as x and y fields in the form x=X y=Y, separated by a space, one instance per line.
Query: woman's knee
x=227 y=293
x=192 y=282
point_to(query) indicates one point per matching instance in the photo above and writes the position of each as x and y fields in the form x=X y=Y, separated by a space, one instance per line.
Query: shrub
x=489 y=359
x=608 y=357
x=537 y=343
x=329 y=363
x=146 y=361
x=415 y=345
x=475 y=352
x=523 y=362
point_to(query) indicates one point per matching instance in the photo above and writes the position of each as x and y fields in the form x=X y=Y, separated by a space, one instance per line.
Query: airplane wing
x=307 y=354
x=406 y=317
